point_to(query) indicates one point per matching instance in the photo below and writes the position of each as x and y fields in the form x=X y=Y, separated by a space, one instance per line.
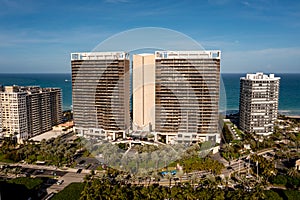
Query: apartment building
x=29 y=111
x=100 y=94
x=259 y=94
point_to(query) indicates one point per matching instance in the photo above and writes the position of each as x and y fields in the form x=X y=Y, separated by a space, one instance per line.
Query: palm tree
x=87 y=178
x=194 y=179
x=86 y=193
x=169 y=177
x=293 y=172
x=228 y=150
x=155 y=176
x=176 y=192
x=6 y=170
x=120 y=179
x=257 y=192
x=133 y=178
x=179 y=175
x=189 y=193
x=297 y=140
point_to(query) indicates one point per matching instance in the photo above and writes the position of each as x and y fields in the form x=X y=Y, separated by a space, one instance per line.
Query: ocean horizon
x=289 y=98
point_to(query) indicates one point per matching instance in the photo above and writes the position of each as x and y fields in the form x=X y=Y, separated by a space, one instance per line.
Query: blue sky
x=258 y=35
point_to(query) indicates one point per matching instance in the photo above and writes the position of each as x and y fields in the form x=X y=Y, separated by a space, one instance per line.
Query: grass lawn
x=2 y=159
x=288 y=194
x=72 y=191
x=20 y=188
x=29 y=183
x=292 y=194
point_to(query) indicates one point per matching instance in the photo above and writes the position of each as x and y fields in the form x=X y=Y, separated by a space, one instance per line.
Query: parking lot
x=42 y=172
x=87 y=163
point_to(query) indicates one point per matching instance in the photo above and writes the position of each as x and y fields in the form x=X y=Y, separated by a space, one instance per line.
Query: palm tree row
x=55 y=151
x=104 y=188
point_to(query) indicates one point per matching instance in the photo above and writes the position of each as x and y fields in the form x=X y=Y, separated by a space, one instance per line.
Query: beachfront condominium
x=258 y=103
x=176 y=95
x=100 y=94
x=29 y=111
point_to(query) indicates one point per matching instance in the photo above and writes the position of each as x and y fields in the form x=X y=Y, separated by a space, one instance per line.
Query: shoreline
x=287 y=113
x=293 y=116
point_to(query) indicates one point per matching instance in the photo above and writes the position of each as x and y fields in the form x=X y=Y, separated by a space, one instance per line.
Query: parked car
x=60 y=182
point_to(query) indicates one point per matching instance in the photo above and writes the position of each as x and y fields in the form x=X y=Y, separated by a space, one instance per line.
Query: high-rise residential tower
x=29 y=111
x=259 y=95
x=177 y=94
x=100 y=93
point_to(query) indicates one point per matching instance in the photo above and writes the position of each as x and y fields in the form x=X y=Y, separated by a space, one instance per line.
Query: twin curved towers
x=175 y=95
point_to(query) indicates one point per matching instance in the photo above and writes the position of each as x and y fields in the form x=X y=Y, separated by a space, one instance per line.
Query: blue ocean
x=289 y=101
x=62 y=81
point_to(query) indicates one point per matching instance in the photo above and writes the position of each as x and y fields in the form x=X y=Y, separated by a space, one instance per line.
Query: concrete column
x=167 y=139
x=155 y=136
x=106 y=133
x=114 y=135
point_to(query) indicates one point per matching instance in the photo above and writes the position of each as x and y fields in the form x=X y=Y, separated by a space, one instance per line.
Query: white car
x=60 y=182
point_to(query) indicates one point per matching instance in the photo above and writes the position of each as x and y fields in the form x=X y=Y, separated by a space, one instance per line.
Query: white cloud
x=246 y=3
x=33 y=37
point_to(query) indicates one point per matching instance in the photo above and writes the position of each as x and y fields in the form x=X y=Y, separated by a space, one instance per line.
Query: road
x=44 y=167
x=68 y=178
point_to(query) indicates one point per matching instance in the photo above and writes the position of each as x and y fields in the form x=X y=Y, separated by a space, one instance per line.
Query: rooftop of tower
x=119 y=55
x=212 y=54
x=260 y=76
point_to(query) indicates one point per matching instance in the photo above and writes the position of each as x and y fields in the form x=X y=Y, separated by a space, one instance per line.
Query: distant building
x=29 y=111
x=258 y=106
x=100 y=93
x=176 y=95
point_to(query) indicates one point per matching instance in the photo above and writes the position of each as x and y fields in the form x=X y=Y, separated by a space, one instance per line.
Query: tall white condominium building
x=100 y=92
x=258 y=103
x=176 y=95
x=29 y=111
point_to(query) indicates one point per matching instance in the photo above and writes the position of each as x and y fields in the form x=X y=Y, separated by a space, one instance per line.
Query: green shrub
x=292 y=194
x=279 y=180
x=272 y=195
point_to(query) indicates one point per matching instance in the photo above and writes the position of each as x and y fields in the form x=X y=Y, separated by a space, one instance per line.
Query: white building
x=259 y=95
x=13 y=113
x=28 y=111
